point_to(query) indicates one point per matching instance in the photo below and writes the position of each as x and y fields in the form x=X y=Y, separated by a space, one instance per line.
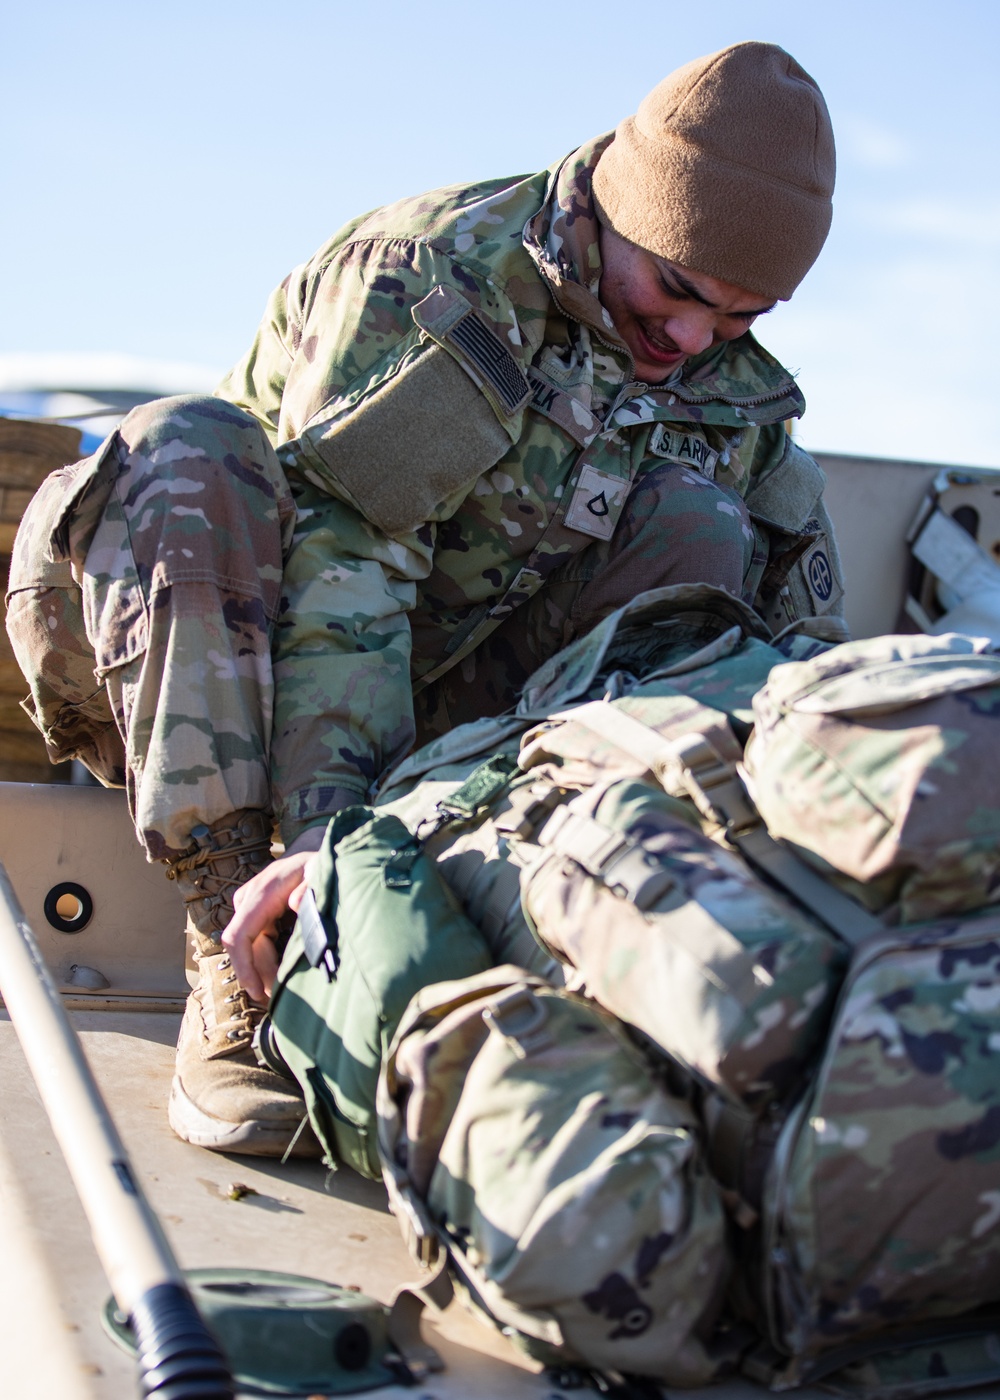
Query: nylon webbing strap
x=609 y=856
x=496 y=908
x=693 y=766
x=689 y=765
x=841 y=914
x=625 y=732
x=713 y=783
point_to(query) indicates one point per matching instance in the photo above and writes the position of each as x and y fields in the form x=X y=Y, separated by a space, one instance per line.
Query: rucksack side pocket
x=522 y=1128
x=678 y=937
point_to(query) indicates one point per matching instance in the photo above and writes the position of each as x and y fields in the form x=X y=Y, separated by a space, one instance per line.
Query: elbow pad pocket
x=436 y=417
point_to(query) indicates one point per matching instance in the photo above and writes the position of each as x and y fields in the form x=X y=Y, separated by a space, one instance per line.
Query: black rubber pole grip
x=179 y=1359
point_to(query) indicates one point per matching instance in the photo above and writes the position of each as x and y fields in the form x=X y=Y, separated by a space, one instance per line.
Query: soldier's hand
x=260 y=905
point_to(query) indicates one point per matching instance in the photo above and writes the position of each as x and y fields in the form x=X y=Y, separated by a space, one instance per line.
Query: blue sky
x=166 y=165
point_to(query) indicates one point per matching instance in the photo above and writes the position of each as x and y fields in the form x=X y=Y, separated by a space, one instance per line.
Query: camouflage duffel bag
x=521 y=1131
x=603 y=836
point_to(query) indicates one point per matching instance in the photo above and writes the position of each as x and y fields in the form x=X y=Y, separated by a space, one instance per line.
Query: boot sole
x=252 y=1139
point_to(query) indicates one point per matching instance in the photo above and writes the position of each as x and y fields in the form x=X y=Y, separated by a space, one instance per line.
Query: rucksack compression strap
x=695 y=766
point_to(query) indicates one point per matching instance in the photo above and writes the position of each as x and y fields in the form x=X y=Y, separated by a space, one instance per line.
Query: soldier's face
x=664 y=312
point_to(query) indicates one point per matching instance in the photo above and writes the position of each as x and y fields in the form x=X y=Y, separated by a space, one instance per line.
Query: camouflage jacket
x=445 y=390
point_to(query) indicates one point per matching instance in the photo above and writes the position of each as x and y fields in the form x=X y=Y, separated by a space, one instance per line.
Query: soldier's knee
x=201 y=469
x=32 y=555
x=672 y=491
x=194 y=435
x=46 y=629
x=680 y=527
x=183 y=413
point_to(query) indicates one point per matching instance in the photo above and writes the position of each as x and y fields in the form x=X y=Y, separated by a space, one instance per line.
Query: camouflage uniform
x=436 y=419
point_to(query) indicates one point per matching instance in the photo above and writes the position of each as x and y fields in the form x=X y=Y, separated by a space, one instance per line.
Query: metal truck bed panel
x=873 y=502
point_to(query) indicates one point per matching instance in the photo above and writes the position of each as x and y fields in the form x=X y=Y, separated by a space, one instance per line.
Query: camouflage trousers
x=147 y=580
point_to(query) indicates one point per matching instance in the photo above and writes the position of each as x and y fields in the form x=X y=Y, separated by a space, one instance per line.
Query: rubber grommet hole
x=68 y=907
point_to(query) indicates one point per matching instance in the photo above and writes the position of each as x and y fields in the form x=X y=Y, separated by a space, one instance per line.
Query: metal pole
x=178 y=1357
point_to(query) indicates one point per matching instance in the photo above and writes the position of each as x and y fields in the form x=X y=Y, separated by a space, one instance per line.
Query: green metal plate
x=285 y=1334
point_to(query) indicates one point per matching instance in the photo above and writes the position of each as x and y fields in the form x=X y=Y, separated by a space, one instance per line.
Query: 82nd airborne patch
x=818 y=573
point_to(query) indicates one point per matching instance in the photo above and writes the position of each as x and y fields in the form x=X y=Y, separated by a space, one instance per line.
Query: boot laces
x=205 y=858
x=245 y=1013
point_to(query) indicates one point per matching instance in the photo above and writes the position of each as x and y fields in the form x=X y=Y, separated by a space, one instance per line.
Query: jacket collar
x=562 y=240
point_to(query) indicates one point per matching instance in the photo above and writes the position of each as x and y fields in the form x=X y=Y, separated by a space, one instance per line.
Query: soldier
x=472 y=425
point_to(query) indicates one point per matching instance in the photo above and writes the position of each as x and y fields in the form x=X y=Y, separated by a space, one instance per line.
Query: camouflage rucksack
x=605 y=846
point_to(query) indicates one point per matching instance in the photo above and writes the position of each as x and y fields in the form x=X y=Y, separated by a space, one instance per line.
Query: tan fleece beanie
x=727 y=168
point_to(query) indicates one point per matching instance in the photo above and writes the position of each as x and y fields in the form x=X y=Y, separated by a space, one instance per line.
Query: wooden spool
x=28 y=452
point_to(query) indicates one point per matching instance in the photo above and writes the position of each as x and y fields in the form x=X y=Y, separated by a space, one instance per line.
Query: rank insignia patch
x=596 y=503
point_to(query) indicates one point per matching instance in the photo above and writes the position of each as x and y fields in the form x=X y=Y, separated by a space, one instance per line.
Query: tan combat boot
x=221 y=1098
